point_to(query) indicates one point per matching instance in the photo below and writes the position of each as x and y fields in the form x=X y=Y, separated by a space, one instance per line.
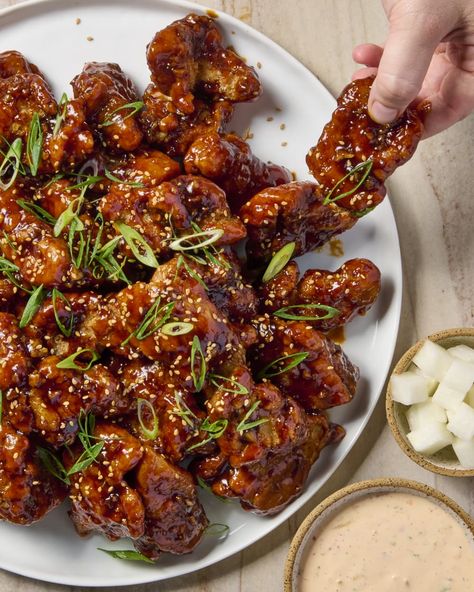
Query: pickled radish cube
x=470 y=397
x=462 y=352
x=423 y=413
x=460 y=376
x=464 y=450
x=433 y=360
x=410 y=388
x=430 y=438
x=432 y=382
x=461 y=422
x=447 y=397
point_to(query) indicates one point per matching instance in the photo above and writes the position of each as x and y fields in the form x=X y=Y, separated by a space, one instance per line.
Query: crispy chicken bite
x=188 y=58
x=147 y=167
x=173 y=131
x=175 y=520
x=101 y=498
x=352 y=138
x=229 y=162
x=268 y=445
x=294 y=212
x=107 y=93
x=14 y=62
x=15 y=363
x=27 y=490
x=323 y=378
x=351 y=290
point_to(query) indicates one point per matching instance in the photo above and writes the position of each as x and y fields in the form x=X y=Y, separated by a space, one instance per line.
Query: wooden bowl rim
x=370 y=486
x=426 y=462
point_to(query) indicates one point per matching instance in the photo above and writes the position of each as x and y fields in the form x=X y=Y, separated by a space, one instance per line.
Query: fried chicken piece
x=67 y=139
x=229 y=162
x=27 y=490
x=352 y=138
x=176 y=410
x=106 y=91
x=147 y=167
x=158 y=212
x=58 y=397
x=325 y=377
x=16 y=409
x=13 y=62
x=176 y=296
x=268 y=445
x=8 y=295
x=175 y=520
x=188 y=58
x=294 y=212
x=351 y=289
x=166 y=126
x=102 y=501
x=14 y=360
x=29 y=243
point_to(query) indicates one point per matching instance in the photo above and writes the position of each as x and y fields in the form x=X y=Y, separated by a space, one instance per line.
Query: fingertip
x=380 y=113
x=364 y=73
x=367 y=53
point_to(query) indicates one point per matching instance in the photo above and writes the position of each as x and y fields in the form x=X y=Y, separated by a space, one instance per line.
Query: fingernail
x=382 y=114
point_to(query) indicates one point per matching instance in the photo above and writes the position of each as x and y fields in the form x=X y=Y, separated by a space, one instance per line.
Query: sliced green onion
x=215 y=430
x=363 y=213
x=149 y=434
x=115 y=179
x=52 y=464
x=183 y=411
x=34 y=144
x=220 y=382
x=365 y=166
x=283 y=313
x=135 y=108
x=127 y=555
x=86 y=459
x=136 y=242
x=62 y=108
x=11 y=161
x=191 y=272
x=217 y=529
x=275 y=368
x=6 y=265
x=177 y=328
x=185 y=243
x=248 y=425
x=37 y=211
x=89 y=181
x=155 y=317
x=66 y=330
x=34 y=302
x=199 y=377
x=70 y=214
x=207 y=488
x=278 y=262
x=69 y=363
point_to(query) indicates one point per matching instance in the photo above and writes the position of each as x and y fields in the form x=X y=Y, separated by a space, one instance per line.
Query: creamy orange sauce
x=390 y=542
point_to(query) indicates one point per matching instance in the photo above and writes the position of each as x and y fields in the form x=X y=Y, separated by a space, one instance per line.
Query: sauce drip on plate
x=390 y=542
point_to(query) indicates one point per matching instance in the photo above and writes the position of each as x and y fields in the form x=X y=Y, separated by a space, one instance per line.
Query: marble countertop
x=432 y=198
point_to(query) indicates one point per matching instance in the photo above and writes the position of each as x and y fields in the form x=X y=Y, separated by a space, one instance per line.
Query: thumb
x=407 y=54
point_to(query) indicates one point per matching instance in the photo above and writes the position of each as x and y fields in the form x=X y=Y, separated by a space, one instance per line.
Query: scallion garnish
x=69 y=363
x=278 y=367
x=217 y=529
x=62 y=108
x=52 y=464
x=127 y=555
x=363 y=213
x=66 y=330
x=150 y=434
x=111 y=177
x=220 y=382
x=34 y=144
x=215 y=430
x=176 y=328
x=191 y=272
x=11 y=164
x=138 y=245
x=183 y=411
x=37 y=211
x=155 y=317
x=365 y=166
x=70 y=213
x=283 y=313
x=86 y=458
x=135 y=108
x=186 y=243
x=34 y=302
x=197 y=355
x=207 y=488
x=248 y=425
x=278 y=262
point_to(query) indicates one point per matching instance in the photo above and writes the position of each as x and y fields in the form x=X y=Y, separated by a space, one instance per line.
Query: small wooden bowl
x=319 y=516
x=443 y=462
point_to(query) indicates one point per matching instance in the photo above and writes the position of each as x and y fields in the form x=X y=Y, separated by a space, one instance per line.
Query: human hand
x=429 y=54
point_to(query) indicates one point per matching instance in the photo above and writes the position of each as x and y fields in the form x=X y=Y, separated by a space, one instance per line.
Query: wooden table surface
x=432 y=197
